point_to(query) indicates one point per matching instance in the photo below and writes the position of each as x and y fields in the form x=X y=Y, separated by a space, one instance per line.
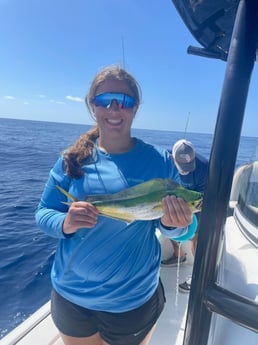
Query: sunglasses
x=123 y=100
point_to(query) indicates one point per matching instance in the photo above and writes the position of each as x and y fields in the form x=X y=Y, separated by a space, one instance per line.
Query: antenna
x=186 y=125
x=123 y=52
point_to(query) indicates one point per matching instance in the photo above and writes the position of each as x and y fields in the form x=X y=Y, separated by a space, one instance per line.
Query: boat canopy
x=211 y=23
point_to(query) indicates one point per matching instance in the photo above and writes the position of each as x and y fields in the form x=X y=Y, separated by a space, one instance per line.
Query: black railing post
x=239 y=67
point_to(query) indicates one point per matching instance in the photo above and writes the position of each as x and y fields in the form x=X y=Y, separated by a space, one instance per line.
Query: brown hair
x=75 y=155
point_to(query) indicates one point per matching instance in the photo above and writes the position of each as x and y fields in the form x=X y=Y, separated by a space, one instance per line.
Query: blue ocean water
x=28 y=150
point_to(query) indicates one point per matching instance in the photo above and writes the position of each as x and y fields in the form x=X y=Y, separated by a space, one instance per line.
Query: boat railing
x=206 y=297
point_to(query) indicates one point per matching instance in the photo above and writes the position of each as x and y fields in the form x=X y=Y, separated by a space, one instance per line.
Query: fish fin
x=163 y=186
x=68 y=195
x=116 y=215
x=142 y=189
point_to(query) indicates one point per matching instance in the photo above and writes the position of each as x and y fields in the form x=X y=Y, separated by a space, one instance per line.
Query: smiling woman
x=105 y=277
x=115 y=119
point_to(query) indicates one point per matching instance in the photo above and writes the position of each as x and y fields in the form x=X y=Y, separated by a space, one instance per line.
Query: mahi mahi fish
x=142 y=201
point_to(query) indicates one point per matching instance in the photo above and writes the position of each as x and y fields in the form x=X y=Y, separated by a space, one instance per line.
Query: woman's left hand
x=176 y=212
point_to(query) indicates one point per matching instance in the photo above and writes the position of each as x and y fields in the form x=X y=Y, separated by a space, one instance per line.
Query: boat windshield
x=248 y=193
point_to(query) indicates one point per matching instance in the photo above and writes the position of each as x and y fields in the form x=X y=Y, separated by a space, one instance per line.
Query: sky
x=51 y=50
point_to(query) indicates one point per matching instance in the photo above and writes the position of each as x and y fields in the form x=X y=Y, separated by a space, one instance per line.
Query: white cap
x=184 y=156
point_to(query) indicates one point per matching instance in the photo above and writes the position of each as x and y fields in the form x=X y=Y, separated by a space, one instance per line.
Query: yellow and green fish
x=141 y=202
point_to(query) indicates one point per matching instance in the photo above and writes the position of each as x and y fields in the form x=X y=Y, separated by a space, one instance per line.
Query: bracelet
x=168 y=227
x=191 y=231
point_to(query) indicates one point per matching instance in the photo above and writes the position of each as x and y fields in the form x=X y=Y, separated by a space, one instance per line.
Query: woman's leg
x=92 y=340
x=147 y=339
x=178 y=251
x=194 y=244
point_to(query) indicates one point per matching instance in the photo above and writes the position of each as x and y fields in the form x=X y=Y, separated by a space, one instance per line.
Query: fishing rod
x=186 y=124
x=123 y=52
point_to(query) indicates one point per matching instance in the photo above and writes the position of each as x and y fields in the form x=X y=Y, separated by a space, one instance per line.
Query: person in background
x=105 y=275
x=193 y=169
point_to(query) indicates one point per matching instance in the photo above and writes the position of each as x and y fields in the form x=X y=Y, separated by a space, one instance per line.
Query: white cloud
x=56 y=102
x=74 y=98
x=9 y=97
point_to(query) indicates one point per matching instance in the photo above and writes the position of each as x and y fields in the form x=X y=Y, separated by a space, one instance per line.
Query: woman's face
x=113 y=120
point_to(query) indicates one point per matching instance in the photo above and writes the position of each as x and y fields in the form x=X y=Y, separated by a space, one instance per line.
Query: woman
x=106 y=287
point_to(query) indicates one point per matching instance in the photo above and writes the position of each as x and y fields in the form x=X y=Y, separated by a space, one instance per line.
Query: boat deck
x=170 y=327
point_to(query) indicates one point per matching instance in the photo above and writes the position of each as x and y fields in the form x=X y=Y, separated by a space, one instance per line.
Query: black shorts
x=128 y=328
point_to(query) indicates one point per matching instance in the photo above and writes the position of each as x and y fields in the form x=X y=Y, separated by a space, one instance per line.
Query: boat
x=222 y=307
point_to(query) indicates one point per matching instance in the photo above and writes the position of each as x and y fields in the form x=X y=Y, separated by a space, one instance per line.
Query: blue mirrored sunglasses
x=123 y=100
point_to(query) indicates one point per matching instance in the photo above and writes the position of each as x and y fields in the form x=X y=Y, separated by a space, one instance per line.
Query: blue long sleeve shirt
x=113 y=266
x=196 y=179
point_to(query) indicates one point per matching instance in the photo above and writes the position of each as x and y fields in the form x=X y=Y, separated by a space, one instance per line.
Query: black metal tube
x=204 y=52
x=240 y=63
x=239 y=309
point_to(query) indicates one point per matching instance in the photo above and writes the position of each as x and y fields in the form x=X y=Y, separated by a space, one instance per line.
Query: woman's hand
x=176 y=212
x=81 y=214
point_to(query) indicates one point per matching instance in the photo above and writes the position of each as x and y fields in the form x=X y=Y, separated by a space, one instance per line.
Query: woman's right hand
x=81 y=214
